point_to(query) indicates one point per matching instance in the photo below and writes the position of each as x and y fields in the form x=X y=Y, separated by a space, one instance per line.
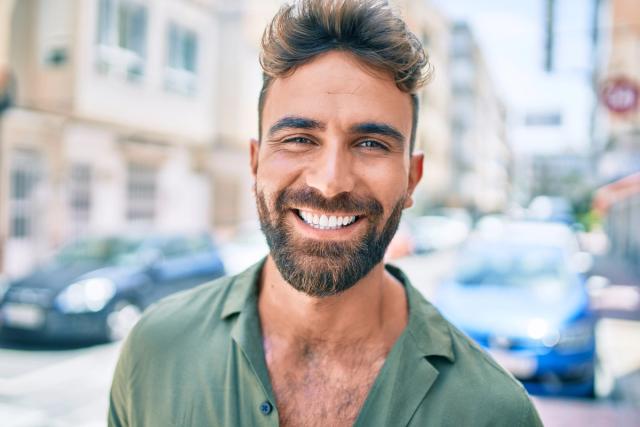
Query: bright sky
x=511 y=35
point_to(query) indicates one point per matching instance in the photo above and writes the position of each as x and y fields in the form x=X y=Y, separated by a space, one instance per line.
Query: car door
x=184 y=262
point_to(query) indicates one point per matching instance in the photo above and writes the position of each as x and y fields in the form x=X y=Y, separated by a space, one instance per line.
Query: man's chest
x=322 y=391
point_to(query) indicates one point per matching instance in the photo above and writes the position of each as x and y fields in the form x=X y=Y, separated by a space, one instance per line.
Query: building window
x=552 y=119
x=181 y=60
x=25 y=174
x=141 y=194
x=122 y=38
x=461 y=39
x=80 y=197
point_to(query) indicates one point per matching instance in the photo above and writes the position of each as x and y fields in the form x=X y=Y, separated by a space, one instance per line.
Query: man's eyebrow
x=381 y=129
x=294 y=122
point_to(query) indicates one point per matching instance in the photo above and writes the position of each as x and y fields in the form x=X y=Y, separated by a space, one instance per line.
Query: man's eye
x=372 y=144
x=298 y=140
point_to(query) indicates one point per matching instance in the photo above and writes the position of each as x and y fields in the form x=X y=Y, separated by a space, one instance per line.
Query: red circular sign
x=620 y=95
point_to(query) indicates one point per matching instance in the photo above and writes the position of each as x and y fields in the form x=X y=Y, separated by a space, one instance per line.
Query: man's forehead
x=340 y=73
x=337 y=83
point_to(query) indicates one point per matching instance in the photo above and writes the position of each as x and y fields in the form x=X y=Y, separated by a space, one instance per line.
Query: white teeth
x=324 y=222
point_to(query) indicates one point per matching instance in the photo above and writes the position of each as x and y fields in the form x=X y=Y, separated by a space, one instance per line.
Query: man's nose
x=332 y=172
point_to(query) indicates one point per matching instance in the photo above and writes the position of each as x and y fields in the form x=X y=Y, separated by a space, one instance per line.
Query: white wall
x=183 y=196
x=97 y=147
x=147 y=105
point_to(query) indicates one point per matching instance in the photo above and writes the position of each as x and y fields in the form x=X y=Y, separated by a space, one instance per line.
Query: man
x=321 y=332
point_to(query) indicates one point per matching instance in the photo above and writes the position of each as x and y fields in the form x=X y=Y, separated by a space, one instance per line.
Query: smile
x=326 y=222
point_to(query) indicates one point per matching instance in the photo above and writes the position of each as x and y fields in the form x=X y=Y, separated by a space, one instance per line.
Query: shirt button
x=266 y=407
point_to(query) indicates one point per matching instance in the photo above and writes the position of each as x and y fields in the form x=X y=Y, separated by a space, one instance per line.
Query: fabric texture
x=196 y=359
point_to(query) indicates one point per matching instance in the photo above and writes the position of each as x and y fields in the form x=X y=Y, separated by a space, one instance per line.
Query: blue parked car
x=520 y=293
x=95 y=289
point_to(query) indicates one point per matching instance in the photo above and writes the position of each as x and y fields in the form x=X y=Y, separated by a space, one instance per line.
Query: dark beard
x=324 y=268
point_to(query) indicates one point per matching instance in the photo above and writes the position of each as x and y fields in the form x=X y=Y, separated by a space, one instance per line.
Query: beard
x=324 y=268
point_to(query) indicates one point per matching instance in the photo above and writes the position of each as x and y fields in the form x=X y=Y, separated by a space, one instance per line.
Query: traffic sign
x=620 y=95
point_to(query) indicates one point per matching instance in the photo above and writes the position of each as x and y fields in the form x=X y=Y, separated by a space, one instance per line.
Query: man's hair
x=368 y=29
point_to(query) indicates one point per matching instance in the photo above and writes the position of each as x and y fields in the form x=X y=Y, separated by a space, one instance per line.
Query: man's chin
x=321 y=251
x=320 y=275
x=318 y=265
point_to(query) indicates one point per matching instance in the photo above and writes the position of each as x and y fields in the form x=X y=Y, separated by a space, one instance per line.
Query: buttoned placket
x=247 y=335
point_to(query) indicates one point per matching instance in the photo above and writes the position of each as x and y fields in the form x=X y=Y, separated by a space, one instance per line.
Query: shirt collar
x=429 y=330
x=426 y=327
x=242 y=289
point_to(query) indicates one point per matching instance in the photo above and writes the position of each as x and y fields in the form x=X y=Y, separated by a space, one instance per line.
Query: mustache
x=311 y=198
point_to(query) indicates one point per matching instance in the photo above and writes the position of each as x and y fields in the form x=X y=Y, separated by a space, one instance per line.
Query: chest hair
x=322 y=388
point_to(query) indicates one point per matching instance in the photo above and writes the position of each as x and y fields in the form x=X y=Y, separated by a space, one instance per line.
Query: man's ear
x=415 y=175
x=254 y=147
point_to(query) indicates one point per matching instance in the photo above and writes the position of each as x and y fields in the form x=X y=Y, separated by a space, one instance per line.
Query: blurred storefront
x=108 y=125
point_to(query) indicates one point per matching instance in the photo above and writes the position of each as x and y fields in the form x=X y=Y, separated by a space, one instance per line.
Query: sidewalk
x=621 y=299
x=616 y=270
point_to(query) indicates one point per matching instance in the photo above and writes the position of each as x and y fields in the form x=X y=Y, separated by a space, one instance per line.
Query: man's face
x=333 y=172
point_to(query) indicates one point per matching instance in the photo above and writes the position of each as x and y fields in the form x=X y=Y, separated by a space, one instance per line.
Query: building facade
x=480 y=153
x=111 y=117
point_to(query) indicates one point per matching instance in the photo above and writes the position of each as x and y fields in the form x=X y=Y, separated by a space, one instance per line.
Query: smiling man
x=321 y=332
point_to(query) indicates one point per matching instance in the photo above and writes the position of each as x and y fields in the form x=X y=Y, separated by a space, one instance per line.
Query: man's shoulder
x=189 y=302
x=182 y=315
x=482 y=379
x=473 y=381
x=471 y=358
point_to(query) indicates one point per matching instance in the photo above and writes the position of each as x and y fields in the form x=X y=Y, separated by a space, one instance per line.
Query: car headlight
x=540 y=330
x=88 y=295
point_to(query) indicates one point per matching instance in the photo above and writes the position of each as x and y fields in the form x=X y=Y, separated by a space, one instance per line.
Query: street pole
x=593 y=128
x=549 y=38
x=6 y=99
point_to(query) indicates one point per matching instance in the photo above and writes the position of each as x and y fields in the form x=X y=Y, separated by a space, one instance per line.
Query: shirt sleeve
x=120 y=396
x=529 y=415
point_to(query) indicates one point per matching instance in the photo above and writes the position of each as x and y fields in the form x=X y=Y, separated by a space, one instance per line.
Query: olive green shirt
x=196 y=359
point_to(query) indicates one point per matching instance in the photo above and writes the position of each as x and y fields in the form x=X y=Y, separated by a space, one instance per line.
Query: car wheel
x=121 y=319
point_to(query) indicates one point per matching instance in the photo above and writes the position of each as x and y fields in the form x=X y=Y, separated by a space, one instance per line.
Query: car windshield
x=105 y=251
x=511 y=266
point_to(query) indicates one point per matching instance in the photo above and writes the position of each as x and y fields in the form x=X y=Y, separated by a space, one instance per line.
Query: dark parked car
x=96 y=288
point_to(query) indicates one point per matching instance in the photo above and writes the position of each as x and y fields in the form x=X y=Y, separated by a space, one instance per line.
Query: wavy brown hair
x=369 y=29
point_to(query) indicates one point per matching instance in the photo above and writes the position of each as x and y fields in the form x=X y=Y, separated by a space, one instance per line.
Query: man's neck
x=373 y=311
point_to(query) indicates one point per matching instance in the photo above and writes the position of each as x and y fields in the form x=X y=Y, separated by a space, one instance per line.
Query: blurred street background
x=124 y=177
